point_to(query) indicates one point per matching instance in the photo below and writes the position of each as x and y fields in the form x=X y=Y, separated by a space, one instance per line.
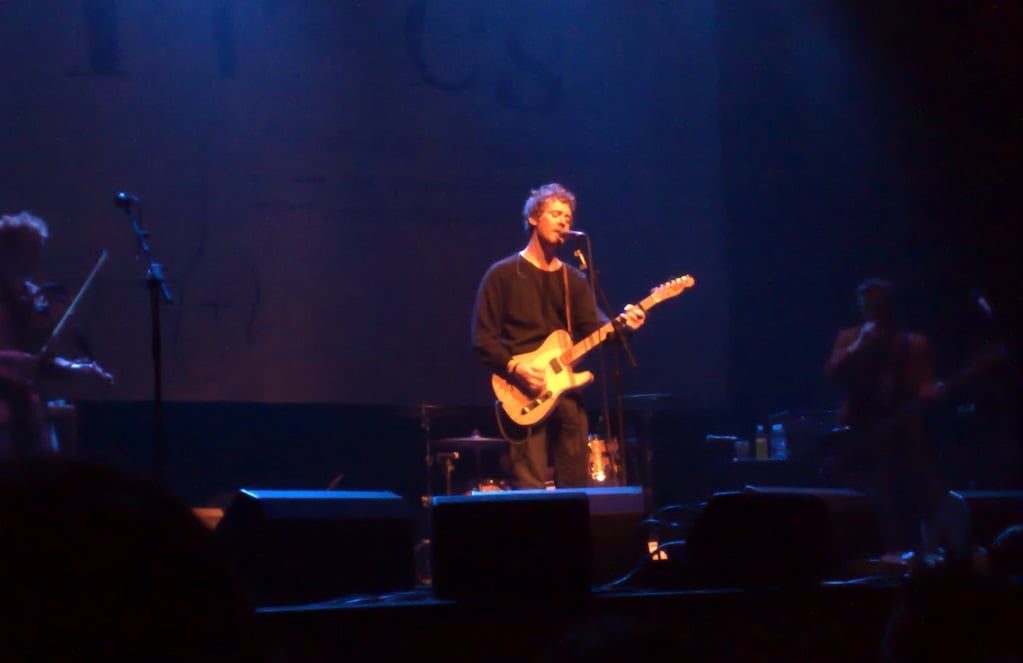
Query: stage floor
x=830 y=622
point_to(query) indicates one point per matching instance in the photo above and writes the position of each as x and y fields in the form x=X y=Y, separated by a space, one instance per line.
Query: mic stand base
x=154 y=287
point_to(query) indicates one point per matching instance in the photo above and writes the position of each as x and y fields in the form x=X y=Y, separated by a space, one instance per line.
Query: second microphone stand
x=158 y=291
x=619 y=338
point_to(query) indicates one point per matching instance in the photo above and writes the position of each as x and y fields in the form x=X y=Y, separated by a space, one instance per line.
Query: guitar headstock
x=672 y=288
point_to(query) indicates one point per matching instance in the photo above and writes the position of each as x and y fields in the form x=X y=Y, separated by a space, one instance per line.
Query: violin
x=32 y=312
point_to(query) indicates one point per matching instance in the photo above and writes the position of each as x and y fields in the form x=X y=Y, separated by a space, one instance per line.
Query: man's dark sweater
x=518 y=306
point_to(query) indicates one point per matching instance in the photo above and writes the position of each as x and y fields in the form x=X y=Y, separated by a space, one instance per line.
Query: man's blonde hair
x=23 y=230
x=538 y=198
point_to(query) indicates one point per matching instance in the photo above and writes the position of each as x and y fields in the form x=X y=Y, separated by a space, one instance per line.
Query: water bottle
x=779 y=447
x=760 y=443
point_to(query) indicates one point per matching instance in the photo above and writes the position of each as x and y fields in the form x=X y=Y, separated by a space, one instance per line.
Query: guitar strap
x=568 y=321
x=497 y=404
x=568 y=300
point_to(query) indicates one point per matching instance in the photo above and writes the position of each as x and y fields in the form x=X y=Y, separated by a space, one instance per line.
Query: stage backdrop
x=326 y=181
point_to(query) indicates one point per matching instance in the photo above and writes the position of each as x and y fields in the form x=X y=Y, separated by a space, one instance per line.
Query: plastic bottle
x=760 y=443
x=779 y=445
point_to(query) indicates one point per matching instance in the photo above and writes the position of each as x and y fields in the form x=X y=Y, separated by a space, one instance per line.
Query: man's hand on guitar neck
x=530 y=379
x=633 y=317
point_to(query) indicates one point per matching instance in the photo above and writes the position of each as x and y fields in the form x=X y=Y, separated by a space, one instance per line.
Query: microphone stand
x=619 y=338
x=998 y=336
x=157 y=287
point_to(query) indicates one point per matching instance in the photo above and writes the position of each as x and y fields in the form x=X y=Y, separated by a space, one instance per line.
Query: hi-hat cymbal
x=471 y=440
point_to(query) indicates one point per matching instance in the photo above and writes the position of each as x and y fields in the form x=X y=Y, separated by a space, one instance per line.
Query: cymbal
x=471 y=440
x=649 y=402
x=430 y=410
x=648 y=397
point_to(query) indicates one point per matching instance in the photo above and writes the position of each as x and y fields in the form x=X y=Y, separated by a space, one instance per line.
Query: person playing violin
x=25 y=323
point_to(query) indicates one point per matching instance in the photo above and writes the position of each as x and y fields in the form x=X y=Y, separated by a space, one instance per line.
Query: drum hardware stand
x=424 y=424
x=648 y=457
x=476 y=443
x=424 y=573
x=448 y=458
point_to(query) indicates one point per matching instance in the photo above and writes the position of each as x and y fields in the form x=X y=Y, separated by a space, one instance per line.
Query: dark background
x=326 y=182
x=860 y=140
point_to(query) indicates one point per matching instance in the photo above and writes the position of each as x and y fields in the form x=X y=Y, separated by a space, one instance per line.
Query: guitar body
x=528 y=410
x=556 y=357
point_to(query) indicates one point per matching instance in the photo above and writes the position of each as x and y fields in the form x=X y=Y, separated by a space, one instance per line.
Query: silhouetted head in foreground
x=96 y=564
x=1006 y=554
x=957 y=613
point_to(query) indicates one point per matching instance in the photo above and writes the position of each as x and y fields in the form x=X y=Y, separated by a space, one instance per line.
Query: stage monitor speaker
x=968 y=519
x=781 y=536
x=296 y=546
x=617 y=542
x=519 y=545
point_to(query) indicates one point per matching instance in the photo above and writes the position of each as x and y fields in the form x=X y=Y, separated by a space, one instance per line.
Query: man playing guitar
x=521 y=301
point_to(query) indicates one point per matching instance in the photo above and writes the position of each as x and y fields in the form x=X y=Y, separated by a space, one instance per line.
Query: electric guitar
x=557 y=355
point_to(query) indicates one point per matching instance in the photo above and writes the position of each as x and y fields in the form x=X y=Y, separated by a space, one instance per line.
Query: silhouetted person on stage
x=25 y=325
x=888 y=376
x=522 y=299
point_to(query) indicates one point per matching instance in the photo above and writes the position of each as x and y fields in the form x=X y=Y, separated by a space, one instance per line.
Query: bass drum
x=603 y=462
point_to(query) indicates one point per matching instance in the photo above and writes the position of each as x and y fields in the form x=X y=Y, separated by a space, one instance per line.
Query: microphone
x=123 y=200
x=982 y=302
x=572 y=233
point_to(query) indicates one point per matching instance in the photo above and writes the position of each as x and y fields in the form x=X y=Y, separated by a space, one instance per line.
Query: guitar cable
x=504 y=433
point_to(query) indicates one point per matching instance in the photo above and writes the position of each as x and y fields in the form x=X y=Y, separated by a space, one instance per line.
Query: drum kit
x=453 y=449
x=605 y=463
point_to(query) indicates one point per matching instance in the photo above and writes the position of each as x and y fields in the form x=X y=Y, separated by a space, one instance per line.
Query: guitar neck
x=579 y=350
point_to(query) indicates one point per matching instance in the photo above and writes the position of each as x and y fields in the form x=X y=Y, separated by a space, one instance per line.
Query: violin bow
x=74 y=304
